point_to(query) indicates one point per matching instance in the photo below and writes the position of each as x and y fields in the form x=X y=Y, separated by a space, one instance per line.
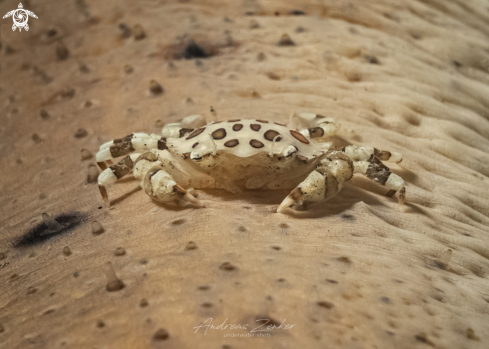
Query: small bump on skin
x=285 y=40
x=120 y=251
x=191 y=246
x=195 y=133
x=255 y=127
x=100 y=324
x=143 y=303
x=219 y=133
x=271 y=134
x=237 y=127
x=327 y=305
x=62 y=52
x=85 y=154
x=81 y=133
x=128 y=69
x=256 y=143
x=139 y=33
x=232 y=143
x=161 y=335
x=97 y=228
x=299 y=136
x=113 y=282
x=227 y=266
x=66 y=251
x=155 y=88
x=92 y=174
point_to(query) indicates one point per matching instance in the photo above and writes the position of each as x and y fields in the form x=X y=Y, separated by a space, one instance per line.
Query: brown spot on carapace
x=278 y=123
x=263 y=121
x=271 y=134
x=232 y=143
x=237 y=127
x=195 y=144
x=255 y=127
x=299 y=136
x=234 y=120
x=195 y=133
x=256 y=143
x=220 y=133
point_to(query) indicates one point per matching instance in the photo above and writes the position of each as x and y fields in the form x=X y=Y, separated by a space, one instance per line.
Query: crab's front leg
x=183 y=127
x=312 y=125
x=321 y=184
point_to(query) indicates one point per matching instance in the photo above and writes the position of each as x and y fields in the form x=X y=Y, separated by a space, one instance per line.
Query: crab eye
x=196 y=157
x=290 y=151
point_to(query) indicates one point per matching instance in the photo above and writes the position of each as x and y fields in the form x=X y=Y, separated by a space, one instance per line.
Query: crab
x=242 y=154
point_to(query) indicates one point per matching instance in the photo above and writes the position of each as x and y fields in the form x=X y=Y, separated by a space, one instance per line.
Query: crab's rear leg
x=122 y=146
x=376 y=171
x=357 y=153
x=114 y=173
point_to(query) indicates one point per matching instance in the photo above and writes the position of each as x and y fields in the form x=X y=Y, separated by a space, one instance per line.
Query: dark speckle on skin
x=35 y=235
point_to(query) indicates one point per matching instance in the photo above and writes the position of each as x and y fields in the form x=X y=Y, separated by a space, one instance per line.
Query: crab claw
x=295 y=197
x=185 y=197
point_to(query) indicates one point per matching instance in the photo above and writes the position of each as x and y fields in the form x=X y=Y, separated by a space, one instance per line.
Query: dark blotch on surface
x=206 y=305
x=227 y=266
x=371 y=59
x=332 y=281
x=457 y=64
x=161 y=335
x=324 y=304
x=62 y=52
x=204 y=288
x=144 y=303
x=385 y=300
x=192 y=50
x=297 y=13
x=100 y=324
x=423 y=338
x=276 y=248
x=35 y=235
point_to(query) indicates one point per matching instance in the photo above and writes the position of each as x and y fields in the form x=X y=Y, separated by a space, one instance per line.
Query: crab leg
x=357 y=153
x=114 y=173
x=126 y=145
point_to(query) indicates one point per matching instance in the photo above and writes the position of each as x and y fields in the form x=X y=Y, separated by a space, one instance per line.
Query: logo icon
x=20 y=17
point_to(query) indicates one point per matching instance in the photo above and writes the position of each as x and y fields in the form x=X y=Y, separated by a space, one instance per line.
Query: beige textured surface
x=409 y=76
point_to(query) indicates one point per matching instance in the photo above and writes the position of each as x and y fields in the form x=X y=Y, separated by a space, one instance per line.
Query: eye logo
x=20 y=17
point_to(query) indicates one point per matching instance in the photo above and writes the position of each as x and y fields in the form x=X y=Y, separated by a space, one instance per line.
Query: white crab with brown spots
x=244 y=154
